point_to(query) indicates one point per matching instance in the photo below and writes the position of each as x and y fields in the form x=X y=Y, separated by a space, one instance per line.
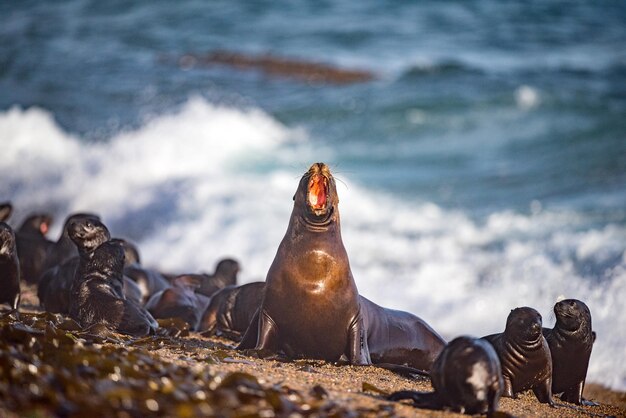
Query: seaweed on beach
x=50 y=367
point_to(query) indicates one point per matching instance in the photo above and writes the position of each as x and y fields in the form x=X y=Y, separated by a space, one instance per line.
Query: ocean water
x=483 y=169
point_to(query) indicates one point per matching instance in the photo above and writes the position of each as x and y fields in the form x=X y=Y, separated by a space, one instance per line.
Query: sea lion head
x=316 y=197
x=572 y=315
x=109 y=257
x=7 y=241
x=227 y=270
x=5 y=211
x=38 y=223
x=87 y=232
x=523 y=324
x=131 y=253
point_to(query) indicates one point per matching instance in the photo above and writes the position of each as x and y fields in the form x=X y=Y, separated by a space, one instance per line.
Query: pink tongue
x=317 y=193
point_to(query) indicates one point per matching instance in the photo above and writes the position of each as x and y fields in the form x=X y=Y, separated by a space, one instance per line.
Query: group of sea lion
x=308 y=307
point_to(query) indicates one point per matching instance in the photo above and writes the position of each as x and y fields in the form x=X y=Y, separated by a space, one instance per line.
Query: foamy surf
x=210 y=181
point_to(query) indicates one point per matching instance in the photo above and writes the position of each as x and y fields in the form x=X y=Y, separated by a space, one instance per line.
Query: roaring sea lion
x=570 y=343
x=179 y=301
x=6 y=208
x=231 y=310
x=311 y=305
x=398 y=337
x=466 y=378
x=97 y=296
x=524 y=355
x=225 y=275
x=33 y=246
x=9 y=268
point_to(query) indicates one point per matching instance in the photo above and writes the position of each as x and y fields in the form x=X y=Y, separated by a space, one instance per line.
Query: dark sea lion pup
x=9 y=268
x=64 y=249
x=225 y=275
x=466 y=377
x=231 y=310
x=570 y=343
x=54 y=285
x=311 y=305
x=180 y=301
x=33 y=246
x=524 y=355
x=5 y=211
x=97 y=295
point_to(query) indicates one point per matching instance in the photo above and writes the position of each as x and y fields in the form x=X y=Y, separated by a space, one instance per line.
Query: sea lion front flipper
x=508 y=387
x=268 y=331
x=428 y=400
x=543 y=392
x=358 y=352
x=573 y=394
x=251 y=335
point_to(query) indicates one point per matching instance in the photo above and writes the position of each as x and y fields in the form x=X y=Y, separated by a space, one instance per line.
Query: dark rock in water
x=33 y=246
x=9 y=268
x=570 y=342
x=97 y=291
x=179 y=301
x=309 y=71
x=231 y=310
x=466 y=378
x=5 y=211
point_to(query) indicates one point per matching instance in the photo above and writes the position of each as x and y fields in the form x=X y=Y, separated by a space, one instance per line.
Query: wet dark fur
x=524 y=355
x=9 y=268
x=97 y=295
x=33 y=246
x=466 y=378
x=179 y=301
x=570 y=342
x=225 y=275
x=232 y=309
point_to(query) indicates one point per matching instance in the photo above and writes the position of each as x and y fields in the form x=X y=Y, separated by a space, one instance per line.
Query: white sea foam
x=210 y=181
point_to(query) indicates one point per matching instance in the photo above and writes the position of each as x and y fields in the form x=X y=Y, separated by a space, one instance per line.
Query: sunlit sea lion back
x=311 y=306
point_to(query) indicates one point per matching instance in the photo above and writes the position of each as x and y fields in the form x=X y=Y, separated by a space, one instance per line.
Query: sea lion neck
x=315 y=201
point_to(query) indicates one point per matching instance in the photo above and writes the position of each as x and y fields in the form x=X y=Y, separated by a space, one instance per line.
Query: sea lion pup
x=55 y=282
x=398 y=337
x=225 y=275
x=6 y=208
x=466 y=378
x=311 y=306
x=33 y=246
x=524 y=355
x=64 y=249
x=179 y=301
x=9 y=268
x=97 y=296
x=231 y=310
x=148 y=281
x=570 y=343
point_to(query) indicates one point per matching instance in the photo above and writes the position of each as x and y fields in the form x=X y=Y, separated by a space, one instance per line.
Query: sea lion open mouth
x=318 y=192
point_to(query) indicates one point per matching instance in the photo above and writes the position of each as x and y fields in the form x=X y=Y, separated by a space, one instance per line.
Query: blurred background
x=481 y=157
